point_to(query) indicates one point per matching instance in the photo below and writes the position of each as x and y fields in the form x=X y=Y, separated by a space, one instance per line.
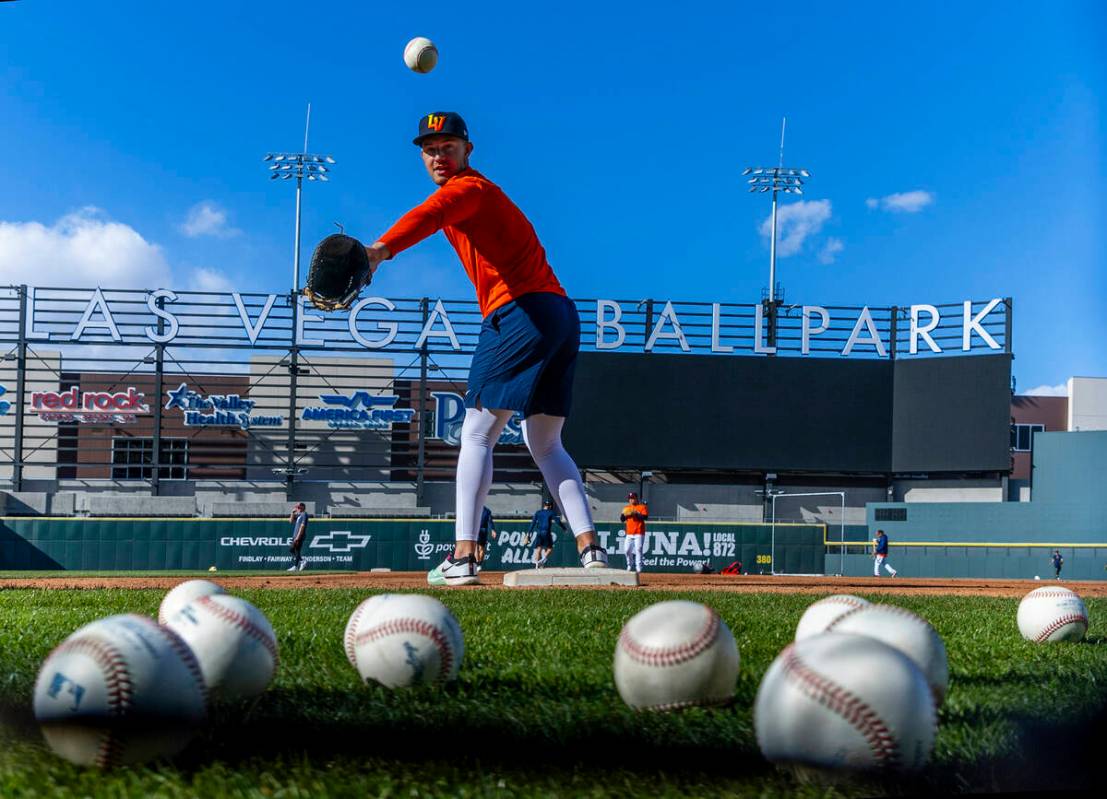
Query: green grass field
x=535 y=711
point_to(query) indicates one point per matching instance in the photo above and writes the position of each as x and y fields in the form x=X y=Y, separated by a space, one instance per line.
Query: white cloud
x=830 y=250
x=906 y=202
x=1059 y=390
x=207 y=218
x=795 y=222
x=83 y=248
x=205 y=279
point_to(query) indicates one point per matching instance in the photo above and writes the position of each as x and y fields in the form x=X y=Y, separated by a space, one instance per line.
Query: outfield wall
x=397 y=544
x=1007 y=539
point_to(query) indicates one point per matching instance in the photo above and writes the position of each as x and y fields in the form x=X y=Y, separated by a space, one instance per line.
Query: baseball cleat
x=593 y=557
x=291 y=568
x=454 y=572
x=302 y=565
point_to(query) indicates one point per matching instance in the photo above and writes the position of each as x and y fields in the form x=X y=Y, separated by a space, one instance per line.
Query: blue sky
x=956 y=152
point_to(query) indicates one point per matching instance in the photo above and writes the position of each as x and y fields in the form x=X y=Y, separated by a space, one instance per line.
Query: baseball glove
x=339 y=268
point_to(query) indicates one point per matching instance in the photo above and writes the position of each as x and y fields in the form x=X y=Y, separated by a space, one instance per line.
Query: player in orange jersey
x=634 y=515
x=528 y=342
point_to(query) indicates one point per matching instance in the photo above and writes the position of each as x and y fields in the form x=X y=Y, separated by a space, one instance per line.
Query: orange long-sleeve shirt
x=495 y=241
x=635 y=526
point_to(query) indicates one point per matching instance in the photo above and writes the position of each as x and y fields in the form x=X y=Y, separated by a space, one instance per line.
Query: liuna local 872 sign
x=164 y=316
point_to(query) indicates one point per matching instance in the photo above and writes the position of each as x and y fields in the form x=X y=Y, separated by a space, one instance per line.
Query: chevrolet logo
x=339 y=541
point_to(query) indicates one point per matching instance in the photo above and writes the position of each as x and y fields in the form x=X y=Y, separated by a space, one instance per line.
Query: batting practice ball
x=420 y=55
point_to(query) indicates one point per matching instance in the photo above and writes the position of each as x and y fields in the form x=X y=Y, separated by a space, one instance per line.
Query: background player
x=541 y=529
x=527 y=350
x=487 y=527
x=634 y=515
x=1057 y=562
x=880 y=554
x=299 y=520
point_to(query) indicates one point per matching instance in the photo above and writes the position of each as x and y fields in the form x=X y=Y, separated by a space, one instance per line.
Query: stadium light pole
x=301 y=166
x=778 y=180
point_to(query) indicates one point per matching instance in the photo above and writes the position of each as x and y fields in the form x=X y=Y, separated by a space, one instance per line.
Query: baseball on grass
x=675 y=654
x=420 y=55
x=358 y=619
x=910 y=634
x=233 y=642
x=850 y=702
x=1052 y=613
x=820 y=615
x=184 y=593
x=405 y=640
x=119 y=690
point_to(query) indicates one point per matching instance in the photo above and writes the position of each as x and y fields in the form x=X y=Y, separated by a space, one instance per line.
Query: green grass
x=535 y=711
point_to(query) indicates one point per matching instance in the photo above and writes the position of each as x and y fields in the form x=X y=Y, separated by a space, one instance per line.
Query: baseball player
x=1057 y=562
x=880 y=554
x=634 y=515
x=527 y=349
x=299 y=521
x=487 y=527
x=541 y=529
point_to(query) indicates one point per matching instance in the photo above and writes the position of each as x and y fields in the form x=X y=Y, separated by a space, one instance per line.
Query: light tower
x=301 y=166
x=778 y=179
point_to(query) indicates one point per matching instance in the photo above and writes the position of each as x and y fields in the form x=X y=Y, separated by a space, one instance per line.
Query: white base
x=529 y=578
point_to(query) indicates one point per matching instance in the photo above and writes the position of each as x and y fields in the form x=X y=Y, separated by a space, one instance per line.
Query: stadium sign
x=5 y=406
x=377 y=323
x=358 y=411
x=217 y=410
x=89 y=407
x=449 y=413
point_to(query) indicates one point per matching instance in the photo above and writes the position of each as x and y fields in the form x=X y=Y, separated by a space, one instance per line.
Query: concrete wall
x=1087 y=403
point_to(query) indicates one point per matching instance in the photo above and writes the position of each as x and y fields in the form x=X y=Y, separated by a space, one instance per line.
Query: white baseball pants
x=881 y=560
x=634 y=552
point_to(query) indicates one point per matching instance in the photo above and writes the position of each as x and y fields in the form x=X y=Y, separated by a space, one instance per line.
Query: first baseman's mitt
x=339 y=268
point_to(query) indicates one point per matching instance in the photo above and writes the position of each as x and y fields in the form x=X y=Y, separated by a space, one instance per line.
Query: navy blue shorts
x=526 y=356
x=542 y=541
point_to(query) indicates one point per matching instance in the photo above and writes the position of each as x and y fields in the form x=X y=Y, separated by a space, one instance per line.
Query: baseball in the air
x=120 y=690
x=420 y=55
x=850 y=702
x=232 y=640
x=1052 y=613
x=675 y=654
x=820 y=615
x=910 y=634
x=405 y=640
x=184 y=593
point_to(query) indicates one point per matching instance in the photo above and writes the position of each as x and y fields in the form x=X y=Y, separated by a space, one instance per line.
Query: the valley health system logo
x=449 y=413
x=358 y=411
x=217 y=410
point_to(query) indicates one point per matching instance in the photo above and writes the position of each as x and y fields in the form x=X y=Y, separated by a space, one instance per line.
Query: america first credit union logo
x=4 y=405
x=358 y=411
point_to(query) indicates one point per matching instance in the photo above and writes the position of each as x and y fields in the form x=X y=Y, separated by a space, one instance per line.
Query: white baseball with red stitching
x=182 y=594
x=1052 y=613
x=405 y=640
x=837 y=701
x=820 y=615
x=233 y=641
x=361 y=615
x=910 y=634
x=119 y=690
x=676 y=654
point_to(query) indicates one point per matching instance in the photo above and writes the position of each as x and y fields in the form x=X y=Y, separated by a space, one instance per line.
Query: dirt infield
x=657 y=582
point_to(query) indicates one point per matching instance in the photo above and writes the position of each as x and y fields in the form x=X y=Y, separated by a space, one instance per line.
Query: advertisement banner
x=399 y=545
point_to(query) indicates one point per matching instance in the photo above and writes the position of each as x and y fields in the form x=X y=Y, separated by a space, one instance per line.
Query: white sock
x=542 y=434
x=479 y=433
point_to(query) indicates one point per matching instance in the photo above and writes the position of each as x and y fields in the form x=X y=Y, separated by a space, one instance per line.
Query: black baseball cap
x=441 y=123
